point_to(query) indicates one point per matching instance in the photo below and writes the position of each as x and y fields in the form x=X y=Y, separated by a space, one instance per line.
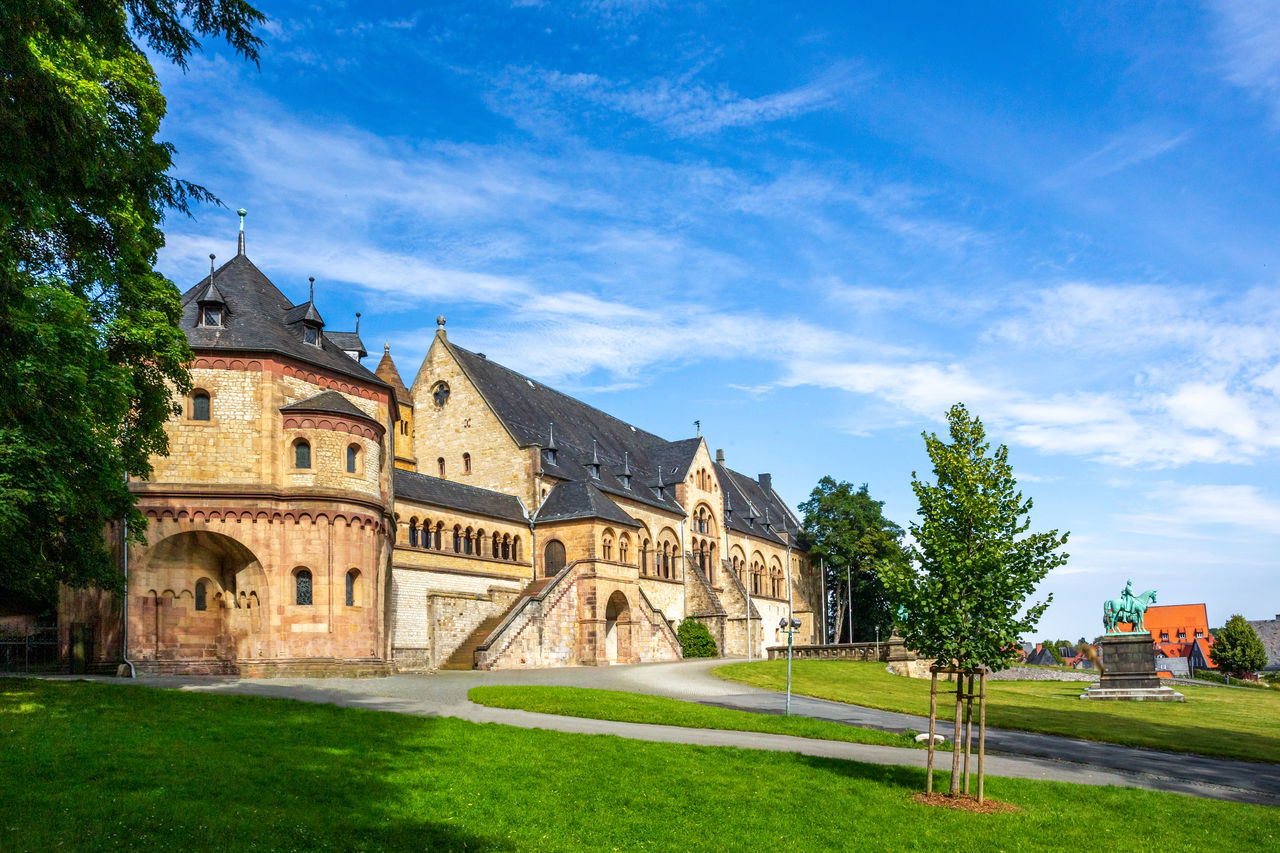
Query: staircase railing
x=519 y=607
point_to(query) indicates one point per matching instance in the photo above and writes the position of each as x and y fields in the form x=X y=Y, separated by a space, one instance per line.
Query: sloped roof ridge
x=327 y=401
x=573 y=400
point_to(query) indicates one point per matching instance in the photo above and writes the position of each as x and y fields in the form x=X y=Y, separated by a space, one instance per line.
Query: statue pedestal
x=1130 y=672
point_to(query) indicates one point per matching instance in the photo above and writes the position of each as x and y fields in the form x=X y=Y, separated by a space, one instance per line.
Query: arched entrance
x=617 y=629
x=553 y=558
x=206 y=595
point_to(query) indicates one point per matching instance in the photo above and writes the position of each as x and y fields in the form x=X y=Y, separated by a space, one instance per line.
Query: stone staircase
x=464 y=656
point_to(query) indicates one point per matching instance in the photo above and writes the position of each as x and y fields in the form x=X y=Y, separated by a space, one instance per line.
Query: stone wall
x=436 y=611
x=1269 y=632
x=543 y=633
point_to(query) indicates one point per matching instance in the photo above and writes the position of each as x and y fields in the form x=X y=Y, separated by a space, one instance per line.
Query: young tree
x=1237 y=648
x=846 y=532
x=973 y=563
x=89 y=330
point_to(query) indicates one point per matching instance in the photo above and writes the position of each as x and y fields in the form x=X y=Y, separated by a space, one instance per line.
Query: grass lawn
x=86 y=766
x=641 y=708
x=1225 y=723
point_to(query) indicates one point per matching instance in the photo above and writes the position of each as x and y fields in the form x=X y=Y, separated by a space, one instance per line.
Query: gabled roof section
x=386 y=371
x=527 y=409
x=348 y=342
x=330 y=402
x=581 y=500
x=258 y=321
x=421 y=488
x=750 y=500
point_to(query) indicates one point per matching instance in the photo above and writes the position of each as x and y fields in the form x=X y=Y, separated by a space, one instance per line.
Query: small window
x=352 y=577
x=440 y=465
x=212 y=315
x=466 y=463
x=353 y=456
x=440 y=394
x=311 y=335
x=200 y=406
x=302 y=587
x=301 y=454
x=202 y=596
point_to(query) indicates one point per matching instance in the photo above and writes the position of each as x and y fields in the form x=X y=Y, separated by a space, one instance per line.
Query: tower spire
x=240 y=247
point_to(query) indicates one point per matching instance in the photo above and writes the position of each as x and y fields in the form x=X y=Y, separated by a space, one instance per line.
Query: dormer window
x=550 y=453
x=626 y=481
x=595 y=471
x=211 y=315
x=311 y=334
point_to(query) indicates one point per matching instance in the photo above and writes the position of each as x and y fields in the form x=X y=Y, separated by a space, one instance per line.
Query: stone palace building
x=314 y=516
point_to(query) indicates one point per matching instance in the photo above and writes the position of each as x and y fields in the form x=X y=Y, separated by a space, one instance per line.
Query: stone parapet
x=891 y=649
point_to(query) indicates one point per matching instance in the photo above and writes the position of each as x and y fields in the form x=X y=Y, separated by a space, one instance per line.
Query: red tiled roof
x=1204 y=646
x=1175 y=617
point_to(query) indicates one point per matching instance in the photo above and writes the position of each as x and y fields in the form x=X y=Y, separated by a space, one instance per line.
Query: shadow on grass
x=127 y=766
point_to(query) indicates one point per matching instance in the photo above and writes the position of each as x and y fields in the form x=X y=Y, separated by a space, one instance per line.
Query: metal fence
x=36 y=650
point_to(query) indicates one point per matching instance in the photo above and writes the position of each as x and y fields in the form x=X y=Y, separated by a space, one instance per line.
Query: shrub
x=696 y=640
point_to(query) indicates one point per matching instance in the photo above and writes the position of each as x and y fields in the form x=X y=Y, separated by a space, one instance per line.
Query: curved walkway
x=1009 y=753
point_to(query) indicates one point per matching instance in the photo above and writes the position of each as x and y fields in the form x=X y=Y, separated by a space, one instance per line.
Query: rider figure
x=1127 y=596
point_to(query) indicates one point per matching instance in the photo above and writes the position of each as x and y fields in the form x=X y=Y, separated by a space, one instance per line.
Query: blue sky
x=813 y=227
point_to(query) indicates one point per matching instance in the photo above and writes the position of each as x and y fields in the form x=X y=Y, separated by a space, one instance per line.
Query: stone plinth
x=1130 y=673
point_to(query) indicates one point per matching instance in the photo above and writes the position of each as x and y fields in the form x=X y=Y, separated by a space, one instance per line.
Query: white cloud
x=1125 y=149
x=1249 y=35
x=1190 y=511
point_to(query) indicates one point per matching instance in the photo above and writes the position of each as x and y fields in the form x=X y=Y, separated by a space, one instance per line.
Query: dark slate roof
x=528 y=408
x=349 y=341
x=748 y=498
x=581 y=500
x=305 y=311
x=421 y=488
x=328 y=401
x=256 y=321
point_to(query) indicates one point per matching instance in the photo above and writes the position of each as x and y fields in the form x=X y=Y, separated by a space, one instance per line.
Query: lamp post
x=877 y=642
x=790 y=626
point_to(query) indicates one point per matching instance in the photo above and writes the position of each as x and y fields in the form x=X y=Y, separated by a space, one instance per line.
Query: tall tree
x=1237 y=648
x=88 y=329
x=973 y=562
x=846 y=532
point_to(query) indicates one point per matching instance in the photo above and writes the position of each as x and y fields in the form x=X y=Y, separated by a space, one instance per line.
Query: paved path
x=1017 y=754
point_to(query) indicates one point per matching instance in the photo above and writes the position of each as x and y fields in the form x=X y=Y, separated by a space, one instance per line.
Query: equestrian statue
x=1127 y=608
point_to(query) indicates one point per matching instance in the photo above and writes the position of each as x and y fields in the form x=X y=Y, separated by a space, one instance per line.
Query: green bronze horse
x=1116 y=611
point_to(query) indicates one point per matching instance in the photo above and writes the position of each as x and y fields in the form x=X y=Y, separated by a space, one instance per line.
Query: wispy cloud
x=1125 y=149
x=1249 y=37
x=681 y=106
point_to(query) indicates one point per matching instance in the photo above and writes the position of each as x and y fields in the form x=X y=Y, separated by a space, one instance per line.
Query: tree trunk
x=839 y=620
x=955 y=742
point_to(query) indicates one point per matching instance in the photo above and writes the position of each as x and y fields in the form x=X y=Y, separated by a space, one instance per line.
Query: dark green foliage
x=88 y=330
x=1221 y=678
x=1237 y=648
x=975 y=562
x=695 y=640
x=846 y=531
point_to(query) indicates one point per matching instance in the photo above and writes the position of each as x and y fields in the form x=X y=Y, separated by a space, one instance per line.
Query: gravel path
x=1015 y=754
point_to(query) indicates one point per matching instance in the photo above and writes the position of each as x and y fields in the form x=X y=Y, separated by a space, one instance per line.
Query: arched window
x=353 y=588
x=496 y=553
x=666 y=560
x=302 y=586
x=606 y=546
x=200 y=406
x=515 y=549
x=353 y=457
x=202 y=595
x=644 y=557
x=440 y=466
x=439 y=543
x=506 y=547
x=467 y=541
x=481 y=542
x=466 y=463
x=301 y=454
x=624 y=545
x=457 y=539
x=553 y=558
x=413 y=533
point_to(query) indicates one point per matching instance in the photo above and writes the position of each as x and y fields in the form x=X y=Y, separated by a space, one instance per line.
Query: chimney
x=766 y=482
x=719 y=457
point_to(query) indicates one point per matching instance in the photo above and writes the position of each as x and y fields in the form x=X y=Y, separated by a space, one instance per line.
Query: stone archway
x=226 y=622
x=617 y=629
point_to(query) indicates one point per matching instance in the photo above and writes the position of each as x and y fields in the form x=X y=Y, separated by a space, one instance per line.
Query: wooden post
x=955 y=747
x=933 y=716
x=982 y=726
x=968 y=727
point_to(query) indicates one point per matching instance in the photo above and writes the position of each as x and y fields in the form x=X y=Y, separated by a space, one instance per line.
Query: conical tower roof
x=386 y=371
